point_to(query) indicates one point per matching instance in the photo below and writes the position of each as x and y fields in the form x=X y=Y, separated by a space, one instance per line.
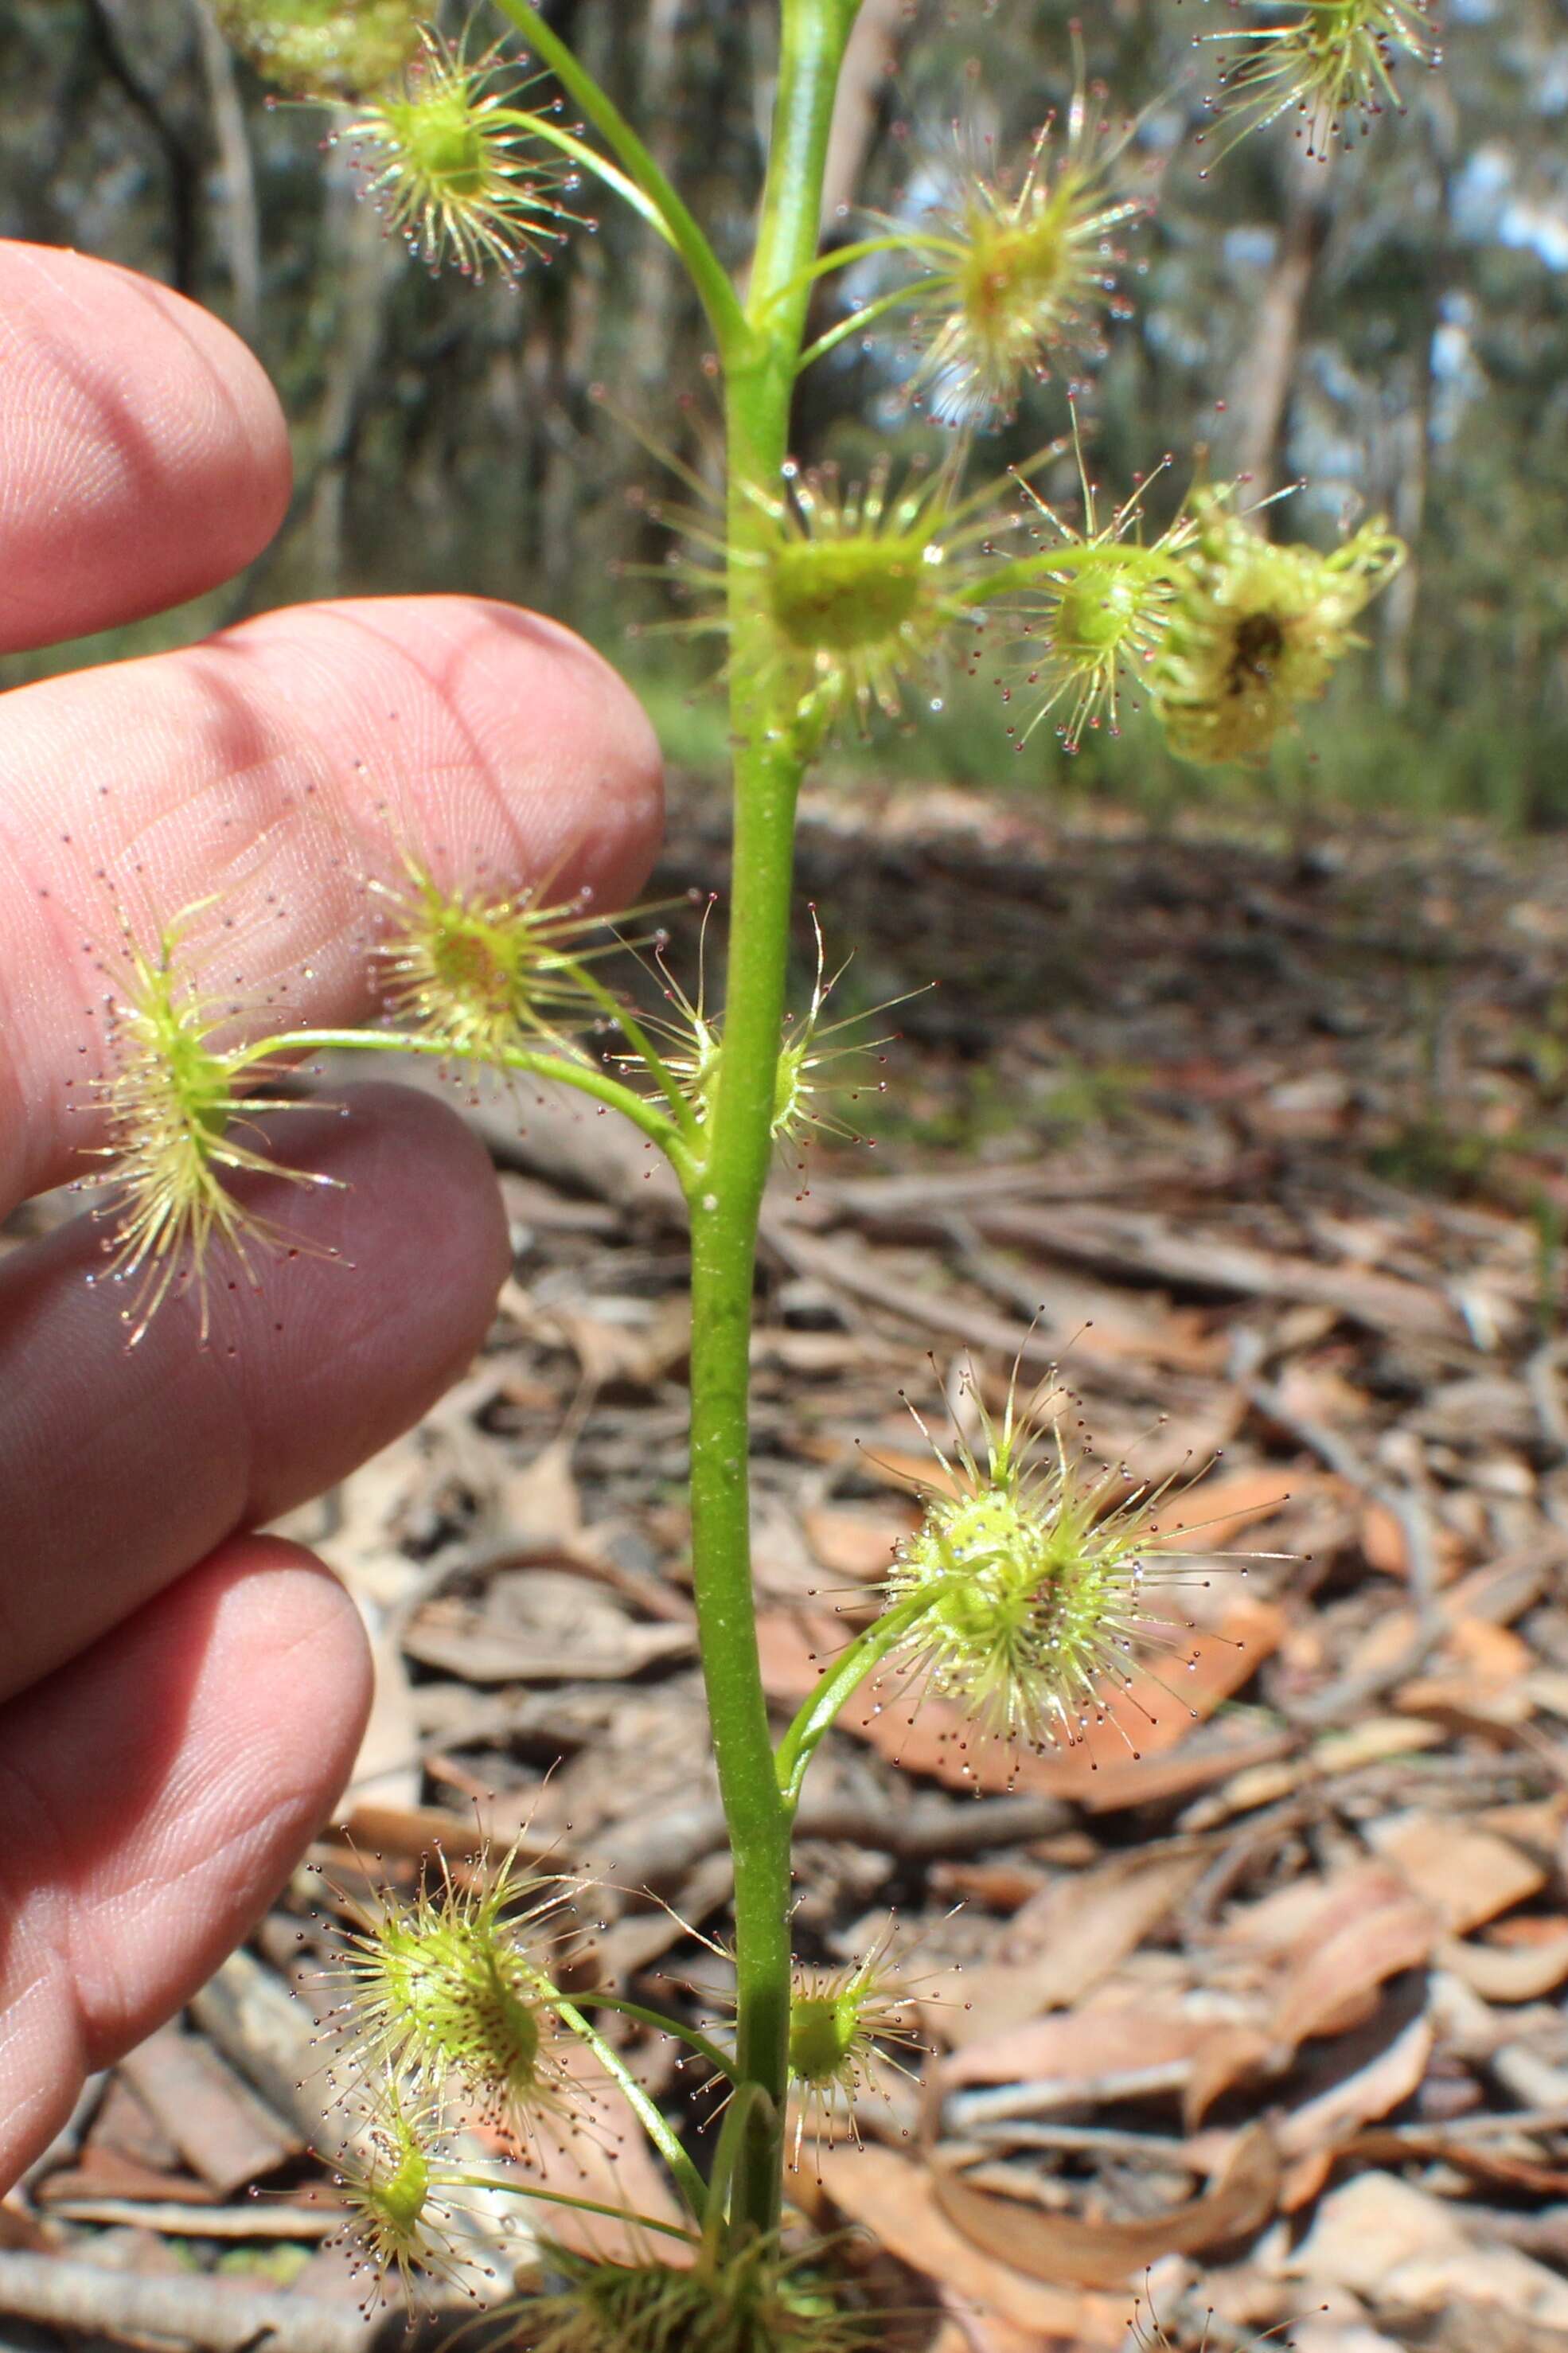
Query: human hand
x=180 y=1701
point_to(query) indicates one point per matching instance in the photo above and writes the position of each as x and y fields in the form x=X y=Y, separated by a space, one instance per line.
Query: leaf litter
x=1272 y=2013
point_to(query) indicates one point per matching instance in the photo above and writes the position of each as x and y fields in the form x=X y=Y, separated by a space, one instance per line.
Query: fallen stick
x=213 y=2315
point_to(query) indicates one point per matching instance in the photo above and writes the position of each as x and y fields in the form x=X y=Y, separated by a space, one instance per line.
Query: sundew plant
x=1025 y=1592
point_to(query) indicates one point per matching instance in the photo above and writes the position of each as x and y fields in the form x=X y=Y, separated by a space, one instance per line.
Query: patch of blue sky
x=1489 y=209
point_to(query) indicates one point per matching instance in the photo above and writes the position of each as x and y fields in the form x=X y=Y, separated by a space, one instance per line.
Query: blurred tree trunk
x=238 y=221
x=659 y=297
x=365 y=257
x=181 y=167
x=1260 y=396
x=870 y=61
x=1399 y=606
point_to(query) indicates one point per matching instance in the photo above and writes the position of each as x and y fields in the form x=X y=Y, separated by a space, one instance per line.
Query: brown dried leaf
x=1322 y=2125
x=859 y=1544
x=1214 y=1515
x=104 y=2171
x=639 y=1350
x=1329 y=1977
x=976 y=2332
x=539 y=1625
x=1401 y=2249
x=1232 y=2054
x=410 y=1833
x=1106 y=1769
x=1079 y=2047
x=540 y=1505
x=897 y=2201
x=1508 y=1973
x=1467 y=1875
x=1045 y=2246
x=1493 y=2167
x=388 y=1758
x=221 y=2128
x=1069 y=1937
x=1386 y=1546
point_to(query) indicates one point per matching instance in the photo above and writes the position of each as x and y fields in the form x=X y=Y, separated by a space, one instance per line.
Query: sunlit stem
x=719 y=2061
x=585 y=1077
x=726 y=1196
x=663 y=2135
x=822 y=1710
x=512 y=2186
x=706 y=271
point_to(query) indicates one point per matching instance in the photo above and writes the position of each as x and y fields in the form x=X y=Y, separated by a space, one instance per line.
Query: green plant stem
x=555 y=134
x=512 y=2188
x=838 y=1686
x=726 y=1194
x=719 y=2061
x=587 y=1079
x=750 y=2111
x=1072 y=556
x=857 y=320
x=663 y=2137
x=706 y=271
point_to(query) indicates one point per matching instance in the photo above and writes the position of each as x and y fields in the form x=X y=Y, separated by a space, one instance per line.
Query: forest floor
x=1263 y=1140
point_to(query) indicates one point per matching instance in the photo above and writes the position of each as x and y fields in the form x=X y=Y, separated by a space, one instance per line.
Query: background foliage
x=1395 y=329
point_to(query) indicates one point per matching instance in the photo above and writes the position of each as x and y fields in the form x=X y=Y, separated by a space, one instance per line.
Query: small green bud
x=396 y=2186
x=845 y=2026
x=1097 y=610
x=1036 y=1568
x=1097 y=618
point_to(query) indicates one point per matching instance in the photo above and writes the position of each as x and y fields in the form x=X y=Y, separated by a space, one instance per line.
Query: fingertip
x=290 y=1665
x=489 y=735
x=608 y=739
x=226 y=1719
x=280 y=771
x=159 y=1790
x=144 y=455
